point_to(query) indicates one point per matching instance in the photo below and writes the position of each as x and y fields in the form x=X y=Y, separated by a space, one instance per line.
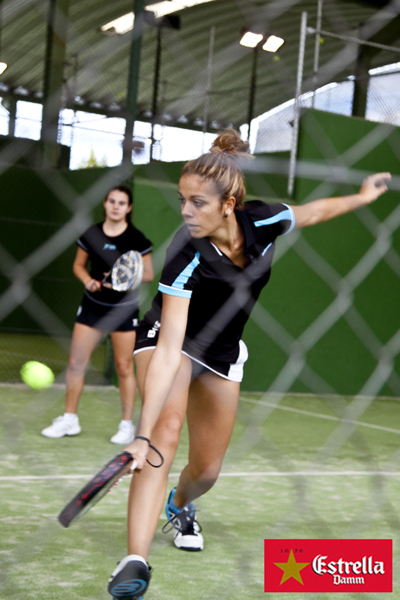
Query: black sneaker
x=130 y=579
x=187 y=534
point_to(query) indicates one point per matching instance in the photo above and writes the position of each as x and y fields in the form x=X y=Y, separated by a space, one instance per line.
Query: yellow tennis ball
x=37 y=375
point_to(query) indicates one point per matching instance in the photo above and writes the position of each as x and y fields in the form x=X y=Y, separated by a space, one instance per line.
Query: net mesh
x=332 y=327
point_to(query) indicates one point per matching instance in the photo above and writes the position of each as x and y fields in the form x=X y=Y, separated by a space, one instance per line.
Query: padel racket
x=109 y=476
x=126 y=273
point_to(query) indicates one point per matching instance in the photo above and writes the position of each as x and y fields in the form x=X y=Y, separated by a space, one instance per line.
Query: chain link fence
x=274 y=133
x=329 y=325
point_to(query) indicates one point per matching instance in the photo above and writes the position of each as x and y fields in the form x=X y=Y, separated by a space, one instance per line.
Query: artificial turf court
x=298 y=467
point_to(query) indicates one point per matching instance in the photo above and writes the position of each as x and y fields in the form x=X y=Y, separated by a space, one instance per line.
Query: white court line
x=318 y=415
x=310 y=473
x=238 y=474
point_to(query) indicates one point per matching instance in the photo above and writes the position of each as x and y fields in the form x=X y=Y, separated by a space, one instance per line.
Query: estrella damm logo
x=328 y=566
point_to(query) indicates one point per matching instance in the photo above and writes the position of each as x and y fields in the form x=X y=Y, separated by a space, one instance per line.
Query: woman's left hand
x=374 y=186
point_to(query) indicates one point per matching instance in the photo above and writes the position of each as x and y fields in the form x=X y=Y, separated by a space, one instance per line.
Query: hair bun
x=230 y=143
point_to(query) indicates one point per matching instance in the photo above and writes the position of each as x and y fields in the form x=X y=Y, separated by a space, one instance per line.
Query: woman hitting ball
x=189 y=352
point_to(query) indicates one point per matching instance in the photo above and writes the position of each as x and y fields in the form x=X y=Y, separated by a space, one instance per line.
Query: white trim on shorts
x=235 y=370
x=143 y=349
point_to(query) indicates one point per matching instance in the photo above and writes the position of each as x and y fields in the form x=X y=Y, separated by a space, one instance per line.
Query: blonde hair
x=221 y=166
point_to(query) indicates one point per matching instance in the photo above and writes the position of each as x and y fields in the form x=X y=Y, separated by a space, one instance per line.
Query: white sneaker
x=62 y=426
x=130 y=579
x=187 y=535
x=187 y=530
x=125 y=433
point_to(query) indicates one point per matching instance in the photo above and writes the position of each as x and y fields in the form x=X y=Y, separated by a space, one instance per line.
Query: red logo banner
x=328 y=566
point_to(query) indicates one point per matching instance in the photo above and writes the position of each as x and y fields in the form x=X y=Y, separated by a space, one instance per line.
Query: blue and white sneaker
x=187 y=531
x=130 y=579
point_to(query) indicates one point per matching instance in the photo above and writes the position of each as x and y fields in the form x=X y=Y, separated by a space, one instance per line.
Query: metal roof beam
x=133 y=80
x=53 y=80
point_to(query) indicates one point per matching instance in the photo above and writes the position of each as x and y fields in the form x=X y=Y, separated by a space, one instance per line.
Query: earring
x=226 y=215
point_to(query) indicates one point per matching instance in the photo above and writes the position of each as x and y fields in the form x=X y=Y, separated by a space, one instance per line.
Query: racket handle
x=133 y=466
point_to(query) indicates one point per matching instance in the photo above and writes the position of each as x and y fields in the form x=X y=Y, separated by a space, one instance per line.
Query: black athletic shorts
x=146 y=339
x=108 y=318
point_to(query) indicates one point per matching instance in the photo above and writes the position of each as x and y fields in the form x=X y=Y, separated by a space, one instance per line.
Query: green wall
x=308 y=271
x=346 y=355
x=35 y=206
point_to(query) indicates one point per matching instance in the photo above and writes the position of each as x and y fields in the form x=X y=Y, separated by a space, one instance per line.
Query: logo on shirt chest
x=109 y=247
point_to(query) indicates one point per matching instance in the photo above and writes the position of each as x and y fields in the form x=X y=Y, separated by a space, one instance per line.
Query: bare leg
x=84 y=341
x=211 y=414
x=123 y=344
x=148 y=488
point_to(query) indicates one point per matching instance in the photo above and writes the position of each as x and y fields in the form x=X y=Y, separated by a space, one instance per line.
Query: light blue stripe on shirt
x=266 y=249
x=285 y=215
x=187 y=272
x=171 y=291
x=177 y=288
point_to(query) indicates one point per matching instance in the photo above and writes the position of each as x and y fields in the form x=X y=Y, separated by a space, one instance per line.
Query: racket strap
x=141 y=437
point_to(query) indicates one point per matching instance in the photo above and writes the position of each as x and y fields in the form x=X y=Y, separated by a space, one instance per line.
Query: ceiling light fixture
x=270 y=43
x=119 y=26
x=250 y=39
x=160 y=9
x=273 y=43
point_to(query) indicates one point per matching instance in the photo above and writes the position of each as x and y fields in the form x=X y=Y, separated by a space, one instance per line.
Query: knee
x=168 y=431
x=77 y=366
x=124 y=367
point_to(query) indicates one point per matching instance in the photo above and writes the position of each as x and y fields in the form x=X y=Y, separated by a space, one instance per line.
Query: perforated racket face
x=96 y=489
x=127 y=271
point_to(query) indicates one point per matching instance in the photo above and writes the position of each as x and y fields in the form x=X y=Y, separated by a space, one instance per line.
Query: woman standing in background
x=105 y=310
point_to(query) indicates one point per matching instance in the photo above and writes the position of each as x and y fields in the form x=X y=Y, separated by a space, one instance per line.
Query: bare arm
x=162 y=370
x=148 y=272
x=80 y=271
x=325 y=209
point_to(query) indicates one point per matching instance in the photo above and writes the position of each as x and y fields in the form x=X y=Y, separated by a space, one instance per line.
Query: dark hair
x=126 y=190
x=221 y=166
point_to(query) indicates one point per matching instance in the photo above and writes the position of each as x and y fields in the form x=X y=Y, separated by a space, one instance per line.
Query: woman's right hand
x=92 y=285
x=139 y=449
